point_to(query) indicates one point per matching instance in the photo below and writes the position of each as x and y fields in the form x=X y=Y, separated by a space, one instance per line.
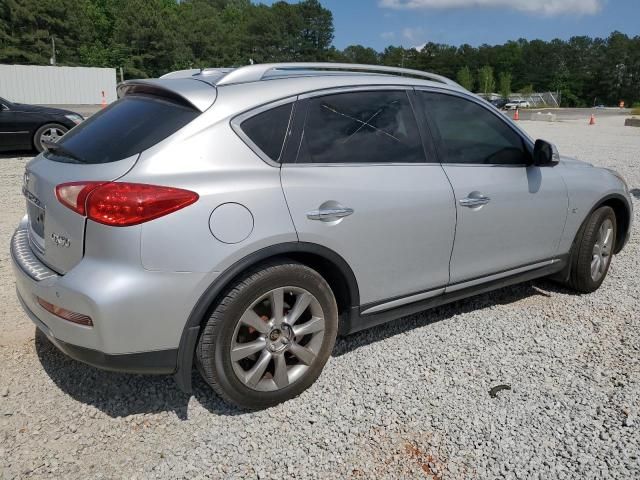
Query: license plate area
x=36 y=222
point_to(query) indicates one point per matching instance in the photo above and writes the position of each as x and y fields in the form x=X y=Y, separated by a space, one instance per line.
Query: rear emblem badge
x=60 y=240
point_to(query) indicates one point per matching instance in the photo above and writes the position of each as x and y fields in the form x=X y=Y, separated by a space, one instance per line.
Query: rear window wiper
x=56 y=148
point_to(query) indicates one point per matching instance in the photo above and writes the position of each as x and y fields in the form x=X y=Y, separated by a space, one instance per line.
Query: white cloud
x=388 y=35
x=545 y=7
x=413 y=34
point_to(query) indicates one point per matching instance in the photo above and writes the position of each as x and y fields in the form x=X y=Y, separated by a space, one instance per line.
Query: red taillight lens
x=65 y=314
x=74 y=194
x=122 y=204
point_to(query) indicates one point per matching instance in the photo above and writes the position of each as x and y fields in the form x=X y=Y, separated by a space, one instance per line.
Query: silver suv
x=241 y=219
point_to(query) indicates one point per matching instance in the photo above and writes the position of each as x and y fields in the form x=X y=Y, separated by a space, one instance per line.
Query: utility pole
x=52 y=60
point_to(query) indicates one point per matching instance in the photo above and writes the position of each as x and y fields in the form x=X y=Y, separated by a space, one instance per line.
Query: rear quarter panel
x=210 y=159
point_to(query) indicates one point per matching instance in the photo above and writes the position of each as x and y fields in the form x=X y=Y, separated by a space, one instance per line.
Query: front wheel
x=50 y=132
x=593 y=249
x=270 y=336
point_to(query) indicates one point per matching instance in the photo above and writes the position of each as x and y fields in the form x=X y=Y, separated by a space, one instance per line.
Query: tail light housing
x=121 y=204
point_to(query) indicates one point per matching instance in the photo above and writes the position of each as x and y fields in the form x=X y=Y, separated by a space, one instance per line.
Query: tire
x=587 y=246
x=52 y=131
x=243 y=322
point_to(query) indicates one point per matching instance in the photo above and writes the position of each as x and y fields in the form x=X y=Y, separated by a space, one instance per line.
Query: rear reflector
x=65 y=314
x=121 y=204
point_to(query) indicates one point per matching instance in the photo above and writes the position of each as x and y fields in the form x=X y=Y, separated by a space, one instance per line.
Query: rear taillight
x=74 y=194
x=121 y=204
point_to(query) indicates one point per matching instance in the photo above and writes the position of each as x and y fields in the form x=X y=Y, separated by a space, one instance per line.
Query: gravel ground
x=410 y=399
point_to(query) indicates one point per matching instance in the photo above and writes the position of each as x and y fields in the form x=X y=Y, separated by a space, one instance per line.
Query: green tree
x=486 y=80
x=465 y=78
x=505 y=84
x=360 y=54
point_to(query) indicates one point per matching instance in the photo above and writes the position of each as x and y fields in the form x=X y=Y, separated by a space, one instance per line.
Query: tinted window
x=471 y=133
x=126 y=127
x=268 y=129
x=361 y=127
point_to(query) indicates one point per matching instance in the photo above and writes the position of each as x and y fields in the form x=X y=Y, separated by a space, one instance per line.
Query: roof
x=199 y=87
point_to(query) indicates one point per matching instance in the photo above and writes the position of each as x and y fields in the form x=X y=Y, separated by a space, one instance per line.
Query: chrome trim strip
x=497 y=276
x=25 y=258
x=405 y=300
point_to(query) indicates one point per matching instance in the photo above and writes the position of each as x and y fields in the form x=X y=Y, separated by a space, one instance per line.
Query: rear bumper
x=157 y=362
x=138 y=315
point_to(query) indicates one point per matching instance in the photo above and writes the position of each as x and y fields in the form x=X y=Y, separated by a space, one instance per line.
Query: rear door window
x=125 y=128
x=361 y=127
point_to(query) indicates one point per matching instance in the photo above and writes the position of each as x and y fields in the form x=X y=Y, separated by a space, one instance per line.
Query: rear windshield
x=125 y=128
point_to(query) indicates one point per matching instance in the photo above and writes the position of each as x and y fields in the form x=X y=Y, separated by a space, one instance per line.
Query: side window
x=472 y=134
x=361 y=127
x=268 y=129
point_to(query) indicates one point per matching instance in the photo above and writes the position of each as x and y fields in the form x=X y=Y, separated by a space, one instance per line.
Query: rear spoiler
x=188 y=91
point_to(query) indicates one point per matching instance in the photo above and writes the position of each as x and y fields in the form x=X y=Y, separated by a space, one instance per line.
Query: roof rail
x=255 y=73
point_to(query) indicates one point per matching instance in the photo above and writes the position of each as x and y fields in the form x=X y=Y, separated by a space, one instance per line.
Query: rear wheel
x=270 y=336
x=593 y=249
x=50 y=132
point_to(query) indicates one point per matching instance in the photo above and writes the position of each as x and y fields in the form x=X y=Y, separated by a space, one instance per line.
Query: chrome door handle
x=474 y=201
x=329 y=214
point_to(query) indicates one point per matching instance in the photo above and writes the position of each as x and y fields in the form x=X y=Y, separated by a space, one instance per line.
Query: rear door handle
x=329 y=214
x=474 y=201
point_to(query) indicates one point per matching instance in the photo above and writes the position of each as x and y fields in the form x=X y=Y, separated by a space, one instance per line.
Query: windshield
x=125 y=128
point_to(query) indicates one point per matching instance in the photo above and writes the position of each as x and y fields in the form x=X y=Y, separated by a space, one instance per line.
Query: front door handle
x=329 y=214
x=474 y=201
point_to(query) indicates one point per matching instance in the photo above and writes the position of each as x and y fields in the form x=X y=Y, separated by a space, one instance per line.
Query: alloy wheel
x=277 y=339
x=601 y=254
x=51 y=134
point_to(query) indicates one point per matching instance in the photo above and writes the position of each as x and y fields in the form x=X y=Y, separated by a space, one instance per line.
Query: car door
x=511 y=214
x=357 y=181
x=15 y=128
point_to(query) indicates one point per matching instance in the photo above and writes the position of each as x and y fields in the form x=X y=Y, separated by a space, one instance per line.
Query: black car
x=23 y=127
x=499 y=103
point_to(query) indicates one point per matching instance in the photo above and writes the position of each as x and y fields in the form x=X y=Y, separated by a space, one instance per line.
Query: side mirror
x=545 y=153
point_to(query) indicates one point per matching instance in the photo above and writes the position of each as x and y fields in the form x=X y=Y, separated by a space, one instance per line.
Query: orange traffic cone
x=592 y=120
x=516 y=116
x=104 y=100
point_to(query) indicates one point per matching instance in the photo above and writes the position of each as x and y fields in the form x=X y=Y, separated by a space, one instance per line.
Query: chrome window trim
x=237 y=120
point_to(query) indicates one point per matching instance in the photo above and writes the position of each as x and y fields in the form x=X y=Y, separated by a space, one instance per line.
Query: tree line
x=148 y=38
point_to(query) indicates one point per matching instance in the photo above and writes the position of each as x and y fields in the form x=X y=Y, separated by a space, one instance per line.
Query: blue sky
x=379 y=23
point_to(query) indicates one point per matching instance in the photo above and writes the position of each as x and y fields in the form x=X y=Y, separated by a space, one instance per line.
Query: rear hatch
x=102 y=149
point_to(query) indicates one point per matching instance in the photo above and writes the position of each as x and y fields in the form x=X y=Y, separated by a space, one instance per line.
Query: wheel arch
x=622 y=210
x=335 y=270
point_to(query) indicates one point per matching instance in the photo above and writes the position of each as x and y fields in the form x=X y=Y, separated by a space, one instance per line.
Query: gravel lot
x=410 y=399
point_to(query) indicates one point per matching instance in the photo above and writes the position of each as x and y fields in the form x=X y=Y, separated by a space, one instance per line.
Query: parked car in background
x=25 y=127
x=242 y=219
x=515 y=104
x=499 y=103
